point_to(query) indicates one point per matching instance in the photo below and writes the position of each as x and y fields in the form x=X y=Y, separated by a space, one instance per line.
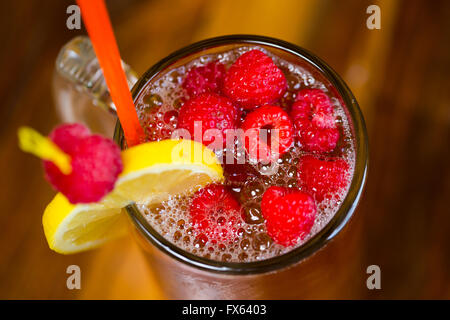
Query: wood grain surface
x=399 y=74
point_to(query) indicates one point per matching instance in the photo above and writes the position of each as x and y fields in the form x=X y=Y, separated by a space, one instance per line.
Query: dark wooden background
x=399 y=74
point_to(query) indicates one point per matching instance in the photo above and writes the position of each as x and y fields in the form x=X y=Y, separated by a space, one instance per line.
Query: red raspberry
x=236 y=174
x=208 y=78
x=289 y=214
x=208 y=111
x=262 y=147
x=96 y=164
x=312 y=114
x=254 y=80
x=323 y=179
x=215 y=214
x=159 y=123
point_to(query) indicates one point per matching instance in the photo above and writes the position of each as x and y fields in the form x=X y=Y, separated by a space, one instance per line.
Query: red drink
x=249 y=245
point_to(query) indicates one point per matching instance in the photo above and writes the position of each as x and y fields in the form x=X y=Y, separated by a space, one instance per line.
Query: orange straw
x=95 y=17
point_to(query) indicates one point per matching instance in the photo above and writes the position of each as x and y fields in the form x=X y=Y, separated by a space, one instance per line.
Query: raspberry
x=208 y=111
x=236 y=168
x=96 y=163
x=289 y=214
x=237 y=174
x=322 y=178
x=204 y=79
x=159 y=123
x=313 y=118
x=215 y=214
x=254 y=80
x=270 y=118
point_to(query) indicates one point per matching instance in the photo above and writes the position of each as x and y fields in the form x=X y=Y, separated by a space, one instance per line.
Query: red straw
x=95 y=17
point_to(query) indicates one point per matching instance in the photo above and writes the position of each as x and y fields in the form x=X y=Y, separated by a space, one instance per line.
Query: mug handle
x=79 y=88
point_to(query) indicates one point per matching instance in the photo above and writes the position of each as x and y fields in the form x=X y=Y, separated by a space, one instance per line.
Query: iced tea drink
x=292 y=144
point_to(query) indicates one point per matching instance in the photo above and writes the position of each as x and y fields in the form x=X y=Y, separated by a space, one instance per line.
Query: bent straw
x=98 y=25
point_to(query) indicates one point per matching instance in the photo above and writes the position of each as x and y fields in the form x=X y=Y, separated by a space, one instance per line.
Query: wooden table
x=399 y=74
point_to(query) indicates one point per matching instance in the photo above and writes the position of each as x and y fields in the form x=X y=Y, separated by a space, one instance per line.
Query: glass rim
x=340 y=218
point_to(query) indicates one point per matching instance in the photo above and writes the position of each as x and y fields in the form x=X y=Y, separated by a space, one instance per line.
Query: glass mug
x=308 y=271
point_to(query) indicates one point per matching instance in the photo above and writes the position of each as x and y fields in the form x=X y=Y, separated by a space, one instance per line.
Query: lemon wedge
x=152 y=172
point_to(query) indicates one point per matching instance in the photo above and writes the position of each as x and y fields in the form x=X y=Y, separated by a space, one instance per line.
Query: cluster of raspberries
x=246 y=96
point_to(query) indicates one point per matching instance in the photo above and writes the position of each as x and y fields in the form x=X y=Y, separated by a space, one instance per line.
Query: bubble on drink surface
x=171 y=218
